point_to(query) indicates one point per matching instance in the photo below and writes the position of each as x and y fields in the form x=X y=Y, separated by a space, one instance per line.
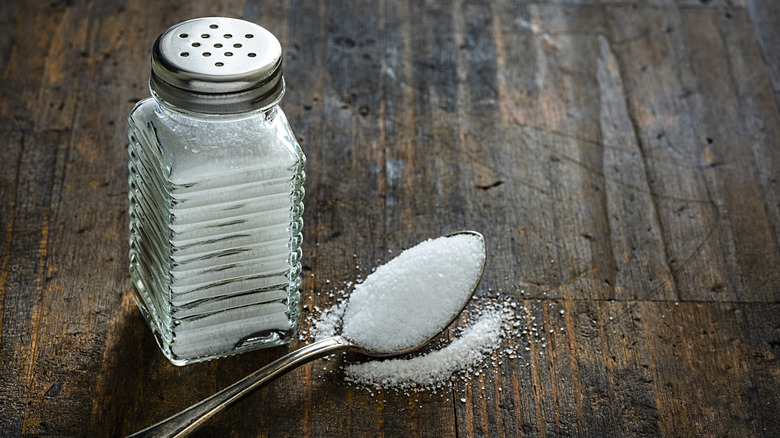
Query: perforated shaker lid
x=217 y=65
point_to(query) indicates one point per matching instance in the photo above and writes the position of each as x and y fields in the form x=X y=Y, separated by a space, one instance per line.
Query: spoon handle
x=190 y=419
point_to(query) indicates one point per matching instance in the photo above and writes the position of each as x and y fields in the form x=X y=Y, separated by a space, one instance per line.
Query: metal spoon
x=192 y=418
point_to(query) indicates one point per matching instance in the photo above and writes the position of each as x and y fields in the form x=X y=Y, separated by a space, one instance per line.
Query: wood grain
x=766 y=18
x=620 y=157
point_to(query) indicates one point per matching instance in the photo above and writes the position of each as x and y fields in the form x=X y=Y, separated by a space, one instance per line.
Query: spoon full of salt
x=399 y=308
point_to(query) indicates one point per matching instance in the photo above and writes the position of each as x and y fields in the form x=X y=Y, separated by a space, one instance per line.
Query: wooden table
x=620 y=157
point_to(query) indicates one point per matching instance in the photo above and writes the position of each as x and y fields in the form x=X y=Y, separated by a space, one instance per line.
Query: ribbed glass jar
x=215 y=223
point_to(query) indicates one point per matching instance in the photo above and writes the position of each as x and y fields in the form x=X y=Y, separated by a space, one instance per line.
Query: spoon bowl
x=455 y=315
x=192 y=418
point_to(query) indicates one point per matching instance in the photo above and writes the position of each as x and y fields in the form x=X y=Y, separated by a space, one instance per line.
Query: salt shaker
x=216 y=193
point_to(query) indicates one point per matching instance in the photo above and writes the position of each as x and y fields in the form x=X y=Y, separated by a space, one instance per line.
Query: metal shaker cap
x=217 y=65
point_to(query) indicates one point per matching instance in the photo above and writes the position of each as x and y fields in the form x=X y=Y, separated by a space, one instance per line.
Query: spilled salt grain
x=411 y=298
x=327 y=325
x=435 y=368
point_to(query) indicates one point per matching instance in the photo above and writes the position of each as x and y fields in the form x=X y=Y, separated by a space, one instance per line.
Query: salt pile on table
x=491 y=322
x=434 y=369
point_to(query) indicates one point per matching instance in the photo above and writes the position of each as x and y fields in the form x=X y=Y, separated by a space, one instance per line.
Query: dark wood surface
x=622 y=159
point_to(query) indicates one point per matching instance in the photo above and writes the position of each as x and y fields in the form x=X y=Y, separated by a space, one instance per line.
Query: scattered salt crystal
x=434 y=369
x=415 y=295
x=328 y=323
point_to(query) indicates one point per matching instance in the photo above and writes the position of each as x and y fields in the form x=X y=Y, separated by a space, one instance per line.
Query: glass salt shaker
x=216 y=193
